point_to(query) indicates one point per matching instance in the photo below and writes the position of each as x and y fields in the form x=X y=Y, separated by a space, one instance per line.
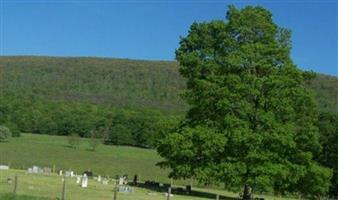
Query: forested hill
x=118 y=82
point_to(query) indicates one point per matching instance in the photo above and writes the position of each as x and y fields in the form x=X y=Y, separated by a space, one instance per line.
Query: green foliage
x=117 y=82
x=251 y=120
x=5 y=134
x=328 y=128
x=13 y=128
x=138 y=127
x=96 y=136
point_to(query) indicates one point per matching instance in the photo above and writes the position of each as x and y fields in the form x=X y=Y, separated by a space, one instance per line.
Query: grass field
x=49 y=187
x=47 y=151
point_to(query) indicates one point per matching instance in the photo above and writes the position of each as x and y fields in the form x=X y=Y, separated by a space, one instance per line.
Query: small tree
x=13 y=128
x=5 y=134
x=74 y=140
x=95 y=138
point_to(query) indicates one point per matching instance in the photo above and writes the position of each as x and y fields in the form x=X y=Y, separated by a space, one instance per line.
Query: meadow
x=107 y=160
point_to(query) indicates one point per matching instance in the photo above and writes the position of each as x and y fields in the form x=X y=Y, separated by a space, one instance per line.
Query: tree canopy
x=251 y=120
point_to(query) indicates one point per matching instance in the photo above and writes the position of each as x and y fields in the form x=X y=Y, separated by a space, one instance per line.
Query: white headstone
x=69 y=173
x=99 y=178
x=4 y=167
x=121 y=181
x=60 y=173
x=105 y=181
x=36 y=169
x=84 y=181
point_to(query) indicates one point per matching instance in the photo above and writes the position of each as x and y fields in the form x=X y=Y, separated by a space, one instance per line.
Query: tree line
x=118 y=126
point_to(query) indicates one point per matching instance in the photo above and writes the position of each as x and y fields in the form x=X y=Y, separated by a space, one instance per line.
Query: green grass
x=19 y=197
x=47 y=151
x=50 y=187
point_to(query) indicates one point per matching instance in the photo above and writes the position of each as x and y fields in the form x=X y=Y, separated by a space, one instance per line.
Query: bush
x=13 y=128
x=5 y=134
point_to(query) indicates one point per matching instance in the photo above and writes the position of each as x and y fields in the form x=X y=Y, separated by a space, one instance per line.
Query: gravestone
x=84 y=181
x=105 y=181
x=121 y=180
x=124 y=189
x=4 y=167
x=60 y=173
x=30 y=170
x=36 y=169
x=99 y=178
x=69 y=173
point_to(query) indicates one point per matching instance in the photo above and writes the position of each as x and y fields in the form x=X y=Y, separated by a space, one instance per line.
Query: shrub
x=5 y=134
x=13 y=128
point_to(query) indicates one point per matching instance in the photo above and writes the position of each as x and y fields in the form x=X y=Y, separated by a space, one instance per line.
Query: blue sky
x=150 y=29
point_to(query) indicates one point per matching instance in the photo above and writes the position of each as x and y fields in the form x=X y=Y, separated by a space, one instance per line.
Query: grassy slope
x=119 y=82
x=46 y=151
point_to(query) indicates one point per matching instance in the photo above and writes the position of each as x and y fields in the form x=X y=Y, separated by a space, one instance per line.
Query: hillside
x=120 y=82
x=117 y=82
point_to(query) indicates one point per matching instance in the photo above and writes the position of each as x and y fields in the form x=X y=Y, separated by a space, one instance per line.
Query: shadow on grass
x=181 y=191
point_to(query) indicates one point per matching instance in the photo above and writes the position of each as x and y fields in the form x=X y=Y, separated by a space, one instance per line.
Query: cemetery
x=54 y=186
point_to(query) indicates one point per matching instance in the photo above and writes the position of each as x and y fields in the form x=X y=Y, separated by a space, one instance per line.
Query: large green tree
x=251 y=120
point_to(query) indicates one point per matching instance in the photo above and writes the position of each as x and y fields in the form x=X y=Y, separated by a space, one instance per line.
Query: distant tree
x=95 y=138
x=5 y=134
x=251 y=120
x=74 y=140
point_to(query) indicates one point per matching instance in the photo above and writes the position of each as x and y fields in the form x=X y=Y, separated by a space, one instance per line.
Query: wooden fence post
x=115 y=190
x=15 y=184
x=64 y=189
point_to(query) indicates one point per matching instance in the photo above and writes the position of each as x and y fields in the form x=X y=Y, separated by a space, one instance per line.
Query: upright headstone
x=84 y=181
x=4 y=167
x=121 y=180
x=36 y=169
x=99 y=178
x=60 y=173
x=69 y=173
